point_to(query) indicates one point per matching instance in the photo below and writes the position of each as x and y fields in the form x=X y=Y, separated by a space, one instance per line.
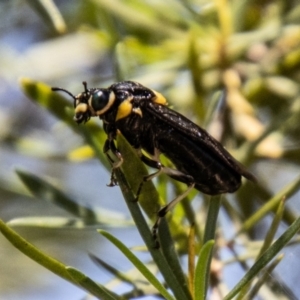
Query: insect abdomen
x=211 y=174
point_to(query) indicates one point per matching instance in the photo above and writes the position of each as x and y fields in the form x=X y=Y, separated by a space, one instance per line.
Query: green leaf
x=140 y=22
x=49 y=14
x=264 y=278
x=114 y=271
x=268 y=239
x=173 y=280
x=212 y=217
x=135 y=170
x=53 y=265
x=61 y=108
x=42 y=94
x=202 y=271
x=273 y=228
x=289 y=190
x=35 y=254
x=88 y=284
x=44 y=190
x=265 y=258
x=41 y=189
x=149 y=199
x=138 y=264
x=47 y=222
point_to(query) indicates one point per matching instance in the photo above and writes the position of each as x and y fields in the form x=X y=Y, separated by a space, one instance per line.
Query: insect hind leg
x=175 y=174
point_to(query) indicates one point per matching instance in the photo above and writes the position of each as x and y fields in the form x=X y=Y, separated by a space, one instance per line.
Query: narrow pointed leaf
x=266 y=258
x=44 y=190
x=202 y=271
x=287 y=191
x=88 y=284
x=49 y=13
x=34 y=253
x=138 y=264
x=175 y=283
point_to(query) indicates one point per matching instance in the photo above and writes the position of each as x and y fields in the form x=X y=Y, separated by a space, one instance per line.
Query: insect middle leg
x=153 y=164
x=173 y=173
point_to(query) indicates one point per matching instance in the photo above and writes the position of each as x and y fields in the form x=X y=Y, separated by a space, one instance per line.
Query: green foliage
x=189 y=51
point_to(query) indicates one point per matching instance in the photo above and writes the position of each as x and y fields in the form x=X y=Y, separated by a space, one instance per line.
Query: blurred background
x=188 y=50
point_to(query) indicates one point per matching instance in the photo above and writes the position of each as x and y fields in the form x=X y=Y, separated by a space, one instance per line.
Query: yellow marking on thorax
x=159 y=98
x=137 y=111
x=124 y=109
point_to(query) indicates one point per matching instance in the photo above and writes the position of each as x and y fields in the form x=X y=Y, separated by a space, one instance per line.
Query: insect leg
x=179 y=176
x=173 y=173
x=153 y=164
x=110 y=145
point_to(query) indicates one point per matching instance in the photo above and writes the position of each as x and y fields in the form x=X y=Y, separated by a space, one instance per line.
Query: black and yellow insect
x=143 y=117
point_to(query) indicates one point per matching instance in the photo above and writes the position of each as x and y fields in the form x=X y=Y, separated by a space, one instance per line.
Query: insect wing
x=199 y=136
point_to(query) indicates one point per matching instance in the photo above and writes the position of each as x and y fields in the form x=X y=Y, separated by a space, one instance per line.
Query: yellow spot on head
x=81 y=108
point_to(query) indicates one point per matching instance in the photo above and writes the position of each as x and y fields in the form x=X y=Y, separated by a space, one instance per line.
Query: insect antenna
x=85 y=86
x=63 y=90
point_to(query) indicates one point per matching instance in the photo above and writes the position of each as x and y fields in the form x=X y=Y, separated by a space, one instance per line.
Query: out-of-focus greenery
x=232 y=67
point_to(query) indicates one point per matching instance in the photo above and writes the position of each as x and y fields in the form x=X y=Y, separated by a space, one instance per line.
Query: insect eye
x=100 y=99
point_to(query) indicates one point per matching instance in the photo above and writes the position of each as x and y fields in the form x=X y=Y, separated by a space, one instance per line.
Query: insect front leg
x=110 y=145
